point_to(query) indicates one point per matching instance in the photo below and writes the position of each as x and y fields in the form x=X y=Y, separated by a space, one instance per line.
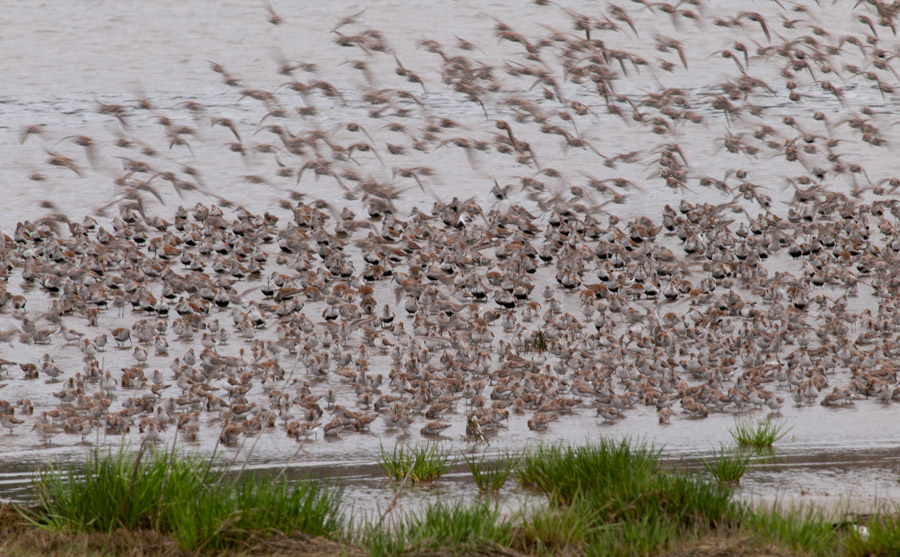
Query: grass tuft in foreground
x=728 y=466
x=758 y=434
x=809 y=532
x=489 y=476
x=613 y=498
x=606 y=498
x=421 y=463
x=181 y=496
x=455 y=528
x=554 y=529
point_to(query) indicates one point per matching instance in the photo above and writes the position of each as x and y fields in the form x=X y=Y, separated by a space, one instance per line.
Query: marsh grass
x=455 y=528
x=557 y=529
x=807 y=531
x=490 y=475
x=420 y=463
x=728 y=466
x=758 y=434
x=564 y=471
x=627 y=503
x=606 y=498
x=645 y=535
x=182 y=496
x=107 y=491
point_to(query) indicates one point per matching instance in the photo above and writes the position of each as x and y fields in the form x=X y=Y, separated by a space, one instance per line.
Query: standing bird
x=434 y=428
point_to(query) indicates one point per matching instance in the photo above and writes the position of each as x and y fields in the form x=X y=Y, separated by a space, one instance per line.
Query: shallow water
x=113 y=54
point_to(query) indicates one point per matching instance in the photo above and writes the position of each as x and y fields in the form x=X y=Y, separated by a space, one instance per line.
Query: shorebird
x=664 y=415
x=230 y=434
x=71 y=335
x=121 y=335
x=9 y=421
x=333 y=427
x=51 y=370
x=541 y=421
x=46 y=432
x=30 y=370
x=397 y=419
x=434 y=428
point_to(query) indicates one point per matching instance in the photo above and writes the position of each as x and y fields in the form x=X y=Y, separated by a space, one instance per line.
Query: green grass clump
x=646 y=535
x=226 y=515
x=728 y=465
x=557 y=529
x=489 y=476
x=182 y=496
x=758 y=434
x=457 y=528
x=808 y=532
x=628 y=504
x=421 y=463
x=563 y=471
x=106 y=491
x=605 y=498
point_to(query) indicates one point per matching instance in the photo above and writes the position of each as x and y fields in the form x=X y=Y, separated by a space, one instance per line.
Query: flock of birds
x=536 y=301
